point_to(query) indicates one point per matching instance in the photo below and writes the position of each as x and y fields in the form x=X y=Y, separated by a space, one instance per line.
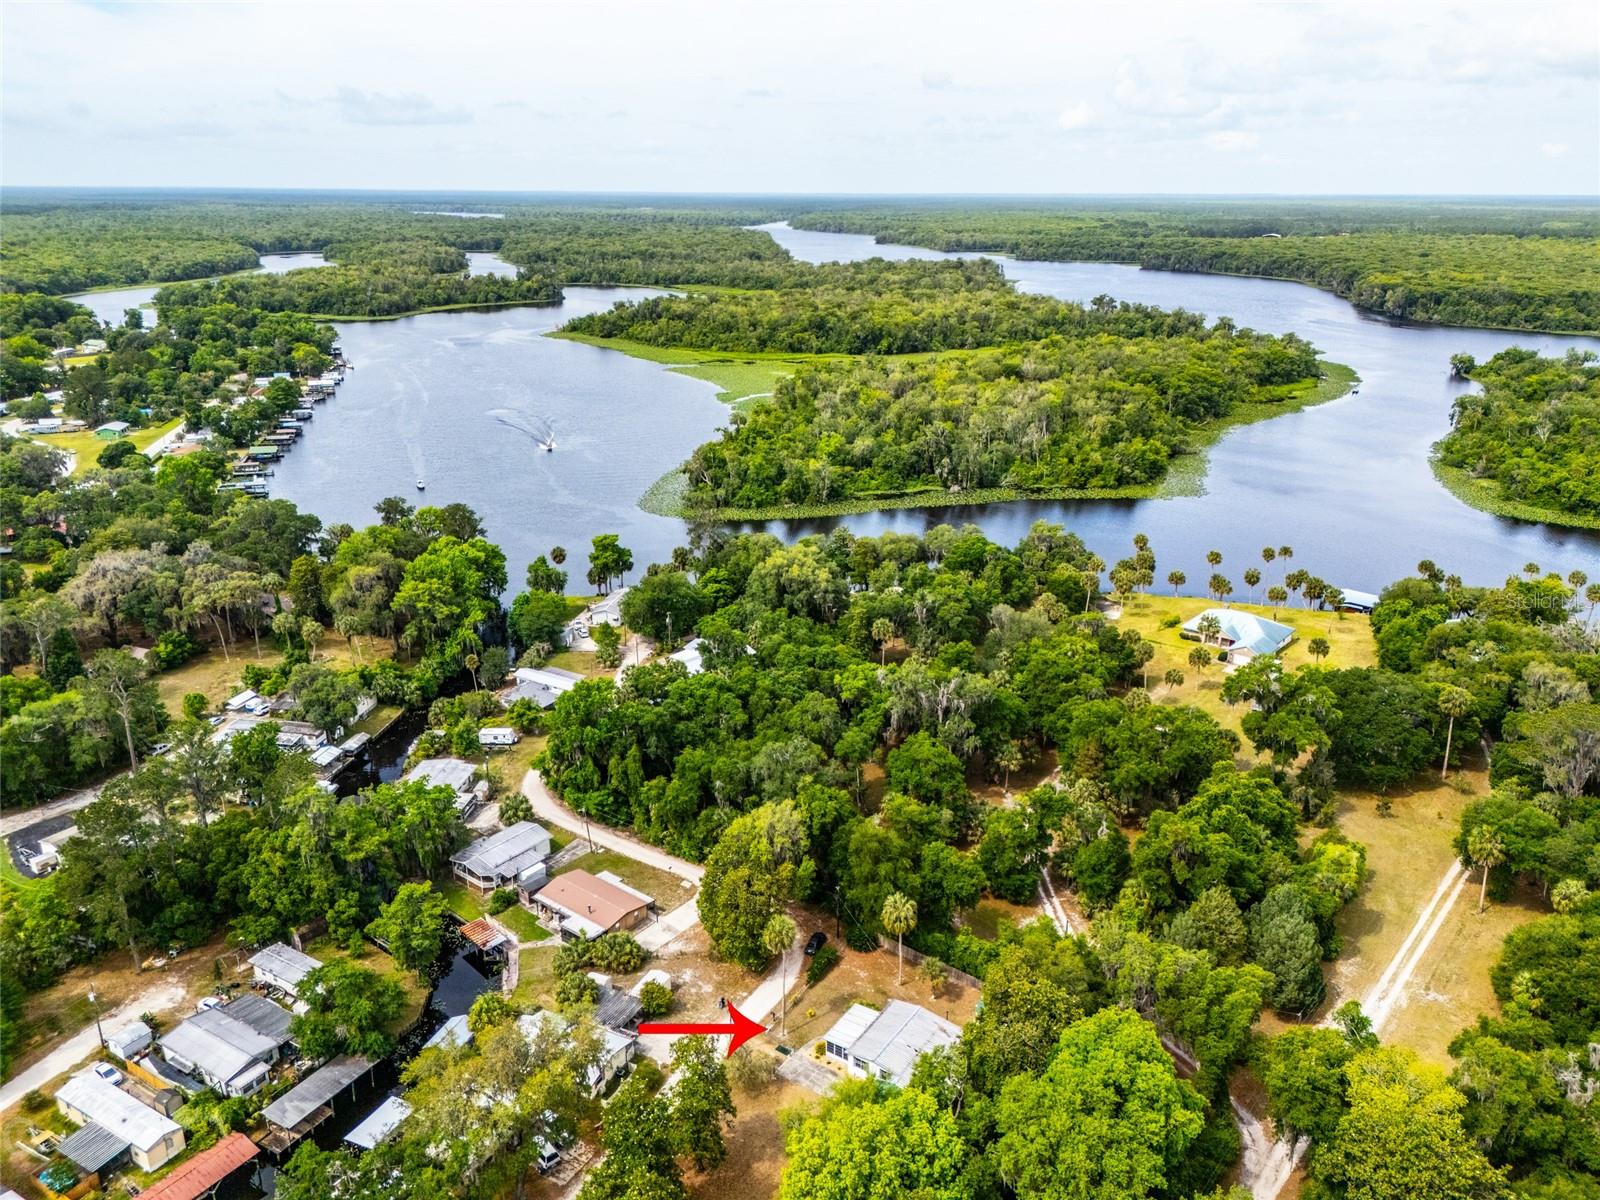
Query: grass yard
x=1451 y=984
x=466 y=905
x=513 y=762
x=664 y=886
x=536 y=979
x=755 y=1145
x=87 y=446
x=580 y=662
x=217 y=676
x=1349 y=637
x=1408 y=853
x=736 y=374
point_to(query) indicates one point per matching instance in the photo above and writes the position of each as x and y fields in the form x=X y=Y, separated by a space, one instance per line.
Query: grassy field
x=466 y=904
x=666 y=887
x=736 y=374
x=536 y=979
x=755 y=1145
x=1408 y=853
x=87 y=446
x=985 y=920
x=217 y=676
x=512 y=762
x=1349 y=637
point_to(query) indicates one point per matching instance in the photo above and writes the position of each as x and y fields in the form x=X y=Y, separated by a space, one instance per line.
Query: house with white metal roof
x=455 y=774
x=502 y=858
x=282 y=967
x=543 y=685
x=378 y=1124
x=151 y=1138
x=231 y=1056
x=1242 y=635
x=887 y=1044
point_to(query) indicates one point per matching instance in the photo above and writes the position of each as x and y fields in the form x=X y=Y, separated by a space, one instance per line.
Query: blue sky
x=1396 y=97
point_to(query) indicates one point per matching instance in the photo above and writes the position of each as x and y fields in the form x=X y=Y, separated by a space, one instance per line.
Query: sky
x=1088 y=96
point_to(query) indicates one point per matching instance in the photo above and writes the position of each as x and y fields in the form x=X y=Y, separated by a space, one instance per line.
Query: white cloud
x=1079 y=116
x=1230 y=141
x=1554 y=149
x=410 y=108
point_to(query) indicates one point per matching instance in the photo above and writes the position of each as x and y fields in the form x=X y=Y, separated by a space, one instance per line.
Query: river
x=1347 y=484
x=109 y=306
x=455 y=399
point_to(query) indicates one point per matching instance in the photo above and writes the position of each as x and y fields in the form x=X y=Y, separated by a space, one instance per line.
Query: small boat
x=548 y=444
x=421 y=486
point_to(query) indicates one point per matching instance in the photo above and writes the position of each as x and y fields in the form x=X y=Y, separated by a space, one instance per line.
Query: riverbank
x=1185 y=474
x=1485 y=495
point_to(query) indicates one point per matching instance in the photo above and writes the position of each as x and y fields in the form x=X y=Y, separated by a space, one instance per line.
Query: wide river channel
x=459 y=401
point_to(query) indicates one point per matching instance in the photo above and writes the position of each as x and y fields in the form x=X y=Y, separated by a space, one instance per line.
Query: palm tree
x=1277 y=596
x=558 y=555
x=882 y=631
x=899 y=918
x=1485 y=850
x=1454 y=702
x=1173 y=677
x=472 y=661
x=1200 y=658
x=1208 y=627
x=1318 y=648
x=1008 y=759
x=1251 y=578
x=1592 y=595
x=1177 y=579
x=776 y=938
x=1268 y=554
x=1093 y=567
x=1214 y=557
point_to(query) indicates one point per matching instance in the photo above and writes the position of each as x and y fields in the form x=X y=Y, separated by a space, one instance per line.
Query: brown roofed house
x=585 y=906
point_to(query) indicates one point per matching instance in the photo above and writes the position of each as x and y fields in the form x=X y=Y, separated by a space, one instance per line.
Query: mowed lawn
x=1349 y=637
x=87 y=446
x=466 y=904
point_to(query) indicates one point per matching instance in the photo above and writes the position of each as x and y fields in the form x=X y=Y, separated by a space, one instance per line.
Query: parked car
x=814 y=942
x=107 y=1072
x=160 y=748
x=208 y=1002
x=549 y=1156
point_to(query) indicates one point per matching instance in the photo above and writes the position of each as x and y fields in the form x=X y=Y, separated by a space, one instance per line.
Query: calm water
x=459 y=400
x=1347 y=484
x=482 y=262
x=108 y=307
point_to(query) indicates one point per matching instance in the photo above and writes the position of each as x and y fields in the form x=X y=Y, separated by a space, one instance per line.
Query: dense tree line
x=1095 y=411
x=1534 y=429
x=378 y=286
x=879 y=307
x=1522 y=267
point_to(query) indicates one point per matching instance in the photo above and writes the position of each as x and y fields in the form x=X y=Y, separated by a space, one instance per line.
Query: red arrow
x=739 y=1030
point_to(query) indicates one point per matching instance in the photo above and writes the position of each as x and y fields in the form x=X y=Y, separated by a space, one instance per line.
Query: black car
x=814 y=942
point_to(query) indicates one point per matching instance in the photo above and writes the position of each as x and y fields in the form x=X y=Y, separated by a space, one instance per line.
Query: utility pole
x=100 y=1033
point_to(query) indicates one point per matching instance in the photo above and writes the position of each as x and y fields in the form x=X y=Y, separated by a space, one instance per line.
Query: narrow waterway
x=110 y=307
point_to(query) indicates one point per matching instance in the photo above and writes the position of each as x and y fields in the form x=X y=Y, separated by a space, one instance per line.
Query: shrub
x=821 y=963
x=656 y=1000
x=1170 y=622
x=195 y=705
x=34 y=1101
x=173 y=649
x=617 y=953
x=502 y=899
x=576 y=988
x=752 y=1070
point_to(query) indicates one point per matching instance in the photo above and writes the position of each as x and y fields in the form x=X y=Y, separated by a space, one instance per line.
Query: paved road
x=18 y=820
x=83 y=1043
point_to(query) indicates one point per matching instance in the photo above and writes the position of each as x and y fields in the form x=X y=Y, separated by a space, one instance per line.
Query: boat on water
x=548 y=444
x=421 y=486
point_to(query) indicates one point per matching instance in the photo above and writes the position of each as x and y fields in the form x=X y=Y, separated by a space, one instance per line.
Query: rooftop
x=379 y=1123
x=284 y=962
x=591 y=899
x=454 y=773
x=482 y=933
x=315 y=1090
x=895 y=1038
x=107 y=1105
x=92 y=1147
x=197 y=1176
x=507 y=853
x=454 y=1031
x=218 y=1044
x=1257 y=634
x=262 y=1015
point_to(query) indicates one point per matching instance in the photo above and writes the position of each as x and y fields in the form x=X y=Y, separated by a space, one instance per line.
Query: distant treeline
x=1097 y=411
x=1514 y=267
x=1534 y=429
